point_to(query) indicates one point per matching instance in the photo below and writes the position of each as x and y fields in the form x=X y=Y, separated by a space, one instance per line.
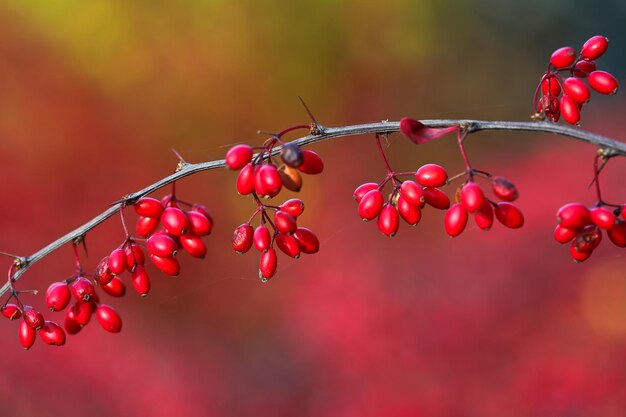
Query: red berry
x=293 y=206
x=576 y=89
x=193 y=245
x=238 y=156
x=388 y=220
x=484 y=216
x=108 y=318
x=472 y=197
x=203 y=210
x=175 y=221
x=58 y=296
x=33 y=317
x=141 y=280
x=363 y=189
x=146 y=226
x=602 y=217
x=436 y=198
x=72 y=326
x=307 y=240
x=291 y=178
x=27 y=335
x=11 y=311
x=594 y=47
x=563 y=57
x=52 y=334
x=167 y=265
x=455 y=220
x=242 y=238
x=79 y=313
x=267 y=181
x=412 y=193
x=161 y=244
x=584 y=68
x=82 y=289
x=551 y=86
x=117 y=261
x=262 y=238
x=103 y=274
x=509 y=215
x=563 y=234
x=168 y=201
x=199 y=224
x=245 y=180
x=617 y=234
x=371 y=204
x=431 y=175
x=588 y=239
x=267 y=264
x=603 y=82
x=504 y=189
x=148 y=207
x=410 y=213
x=285 y=222
x=569 y=109
x=288 y=245
x=134 y=256
x=576 y=255
x=312 y=163
x=550 y=106
x=115 y=288
x=573 y=216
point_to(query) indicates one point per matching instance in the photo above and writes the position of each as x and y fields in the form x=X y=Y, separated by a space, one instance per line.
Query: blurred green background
x=93 y=95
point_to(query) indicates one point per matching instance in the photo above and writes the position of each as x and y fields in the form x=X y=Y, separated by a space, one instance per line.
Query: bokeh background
x=93 y=95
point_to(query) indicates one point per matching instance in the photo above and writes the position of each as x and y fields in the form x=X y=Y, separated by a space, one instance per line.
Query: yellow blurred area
x=603 y=299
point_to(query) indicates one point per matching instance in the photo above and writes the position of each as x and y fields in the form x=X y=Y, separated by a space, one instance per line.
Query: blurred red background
x=94 y=95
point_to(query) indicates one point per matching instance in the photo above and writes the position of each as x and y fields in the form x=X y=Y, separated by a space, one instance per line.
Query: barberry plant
x=168 y=225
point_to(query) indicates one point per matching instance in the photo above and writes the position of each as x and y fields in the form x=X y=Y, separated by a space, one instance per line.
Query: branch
x=610 y=148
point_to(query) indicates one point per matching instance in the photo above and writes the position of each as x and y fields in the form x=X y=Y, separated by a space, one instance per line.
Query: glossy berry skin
x=27 y=335
x=245 y=180
x=141 y=280
x=371 y=204
x=148 y=207
x=291 y=178
x=388 y=220
x=242 y=238
x=576 y=255
x=569 y=109
x=82 y=289
x=292 y=155
x=602 y=217
x=267 y=181
x=33 y=317
x=307 y=240
x=588 y=239
x=412 y=193
x=504 y=189
x=268 y=264
x=594 y=48
x=573 y=216
x=167 y=265
x=193 y=245
x=199 y=224
x=410 y=213
x=603 y=82
x=617 y=234
x=161 y=244
x=288 y=245
x=52 y=334
x=563 y=57
x=484 y=217
x=293 y=206
x=363 y=189
x=115 y=288
x=80 y=313
x=563 y=234
x=117 y=261
x=436 y=198
x=262 y=238
x=146 y=226
x=108 y=318
x=103 y=274
x=584 y=68
x=71 y=326
x=576 y=89
x=284 y=222
x=312 y=164
x=134 y=256
x=509 y=215
x=238 y=156
x=11 y=311
x=455 y=219
x=58 y=296
x=550 y=86
x=472 y=197
x=175 y=221
x=431 y=175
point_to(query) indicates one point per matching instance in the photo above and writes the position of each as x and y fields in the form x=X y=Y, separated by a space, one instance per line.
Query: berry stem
x=461 y=135
x=382 y=154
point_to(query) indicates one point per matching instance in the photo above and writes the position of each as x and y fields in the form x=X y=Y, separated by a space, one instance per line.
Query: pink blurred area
x=497 y=323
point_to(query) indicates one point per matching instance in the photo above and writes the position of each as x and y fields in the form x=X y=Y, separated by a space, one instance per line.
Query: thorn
x=316 y=127
x=181 y=161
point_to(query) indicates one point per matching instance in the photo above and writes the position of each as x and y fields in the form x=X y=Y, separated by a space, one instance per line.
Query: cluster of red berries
x=582 y=227
x=566 y=96
x=408 y=197
x=33 y=323
x=260 y=176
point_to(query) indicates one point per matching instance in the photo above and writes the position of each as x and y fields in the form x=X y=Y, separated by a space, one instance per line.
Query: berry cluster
x=565 y=96
x=33 y=323
x=261 y=176
x=582 y=227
